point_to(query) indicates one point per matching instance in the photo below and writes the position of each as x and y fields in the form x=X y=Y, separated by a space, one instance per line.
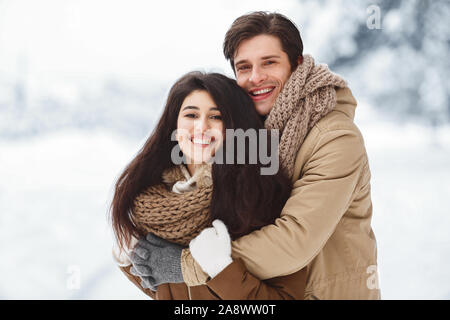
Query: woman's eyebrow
x=197 y=108
x=191 y=107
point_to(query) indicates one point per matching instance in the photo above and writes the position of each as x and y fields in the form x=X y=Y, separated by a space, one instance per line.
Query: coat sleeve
x=137 y=281
x=318 y=201
x=236 y=283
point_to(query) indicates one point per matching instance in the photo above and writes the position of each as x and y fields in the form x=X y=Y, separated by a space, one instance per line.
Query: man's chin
x=263 y=107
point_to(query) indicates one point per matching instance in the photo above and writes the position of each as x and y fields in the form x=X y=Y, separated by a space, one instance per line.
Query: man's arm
x=318 y=201
x=230 y=279
x=236 y=283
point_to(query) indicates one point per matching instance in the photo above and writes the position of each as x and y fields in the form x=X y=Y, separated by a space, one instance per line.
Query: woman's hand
x=212 y=248
x=156 y=261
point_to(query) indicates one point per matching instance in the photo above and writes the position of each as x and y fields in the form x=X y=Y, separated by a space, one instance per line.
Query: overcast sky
x=128 y=38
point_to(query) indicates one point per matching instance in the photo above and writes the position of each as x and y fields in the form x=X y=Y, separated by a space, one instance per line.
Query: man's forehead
x=258 y=47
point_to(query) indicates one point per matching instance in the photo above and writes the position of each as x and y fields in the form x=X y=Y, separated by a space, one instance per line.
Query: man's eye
x=243 y=68
x=269 y=62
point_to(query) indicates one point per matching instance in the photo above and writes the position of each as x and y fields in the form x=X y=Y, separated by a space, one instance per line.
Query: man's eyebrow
x=270 y=57
x=240 y=62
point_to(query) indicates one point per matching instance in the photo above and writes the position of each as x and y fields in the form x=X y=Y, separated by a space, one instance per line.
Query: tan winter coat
x=325 y=226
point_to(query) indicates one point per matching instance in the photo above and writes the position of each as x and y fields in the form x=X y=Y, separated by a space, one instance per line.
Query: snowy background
x=83 y=82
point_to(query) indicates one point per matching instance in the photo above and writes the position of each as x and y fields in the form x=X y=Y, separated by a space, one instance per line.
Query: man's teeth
x=262 y=91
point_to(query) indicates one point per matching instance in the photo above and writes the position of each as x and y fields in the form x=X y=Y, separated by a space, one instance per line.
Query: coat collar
x=345 y=102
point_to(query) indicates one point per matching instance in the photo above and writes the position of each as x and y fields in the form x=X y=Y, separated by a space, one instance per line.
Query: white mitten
x=212 y=248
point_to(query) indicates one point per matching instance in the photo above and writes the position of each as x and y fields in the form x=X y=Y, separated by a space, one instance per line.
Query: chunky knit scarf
x=176 y=217
x=306 y=97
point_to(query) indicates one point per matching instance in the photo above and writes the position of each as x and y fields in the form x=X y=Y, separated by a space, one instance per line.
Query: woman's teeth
x=201 y=141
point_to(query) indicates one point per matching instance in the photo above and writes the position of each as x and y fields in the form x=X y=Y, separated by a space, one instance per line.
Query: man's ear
x=300 y=60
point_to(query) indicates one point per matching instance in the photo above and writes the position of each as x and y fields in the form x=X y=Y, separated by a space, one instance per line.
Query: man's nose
x=257 y=76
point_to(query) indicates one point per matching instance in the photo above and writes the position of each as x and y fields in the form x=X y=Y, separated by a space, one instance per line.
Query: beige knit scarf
x=307 y=96
x=175 y=217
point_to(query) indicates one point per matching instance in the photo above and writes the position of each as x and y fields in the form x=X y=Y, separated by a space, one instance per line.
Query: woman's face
x=199 y=127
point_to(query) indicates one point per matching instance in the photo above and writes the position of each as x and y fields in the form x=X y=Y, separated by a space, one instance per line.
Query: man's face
x=262 y=68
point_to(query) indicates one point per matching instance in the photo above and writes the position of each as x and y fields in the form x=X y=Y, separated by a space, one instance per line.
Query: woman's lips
x=202 y=142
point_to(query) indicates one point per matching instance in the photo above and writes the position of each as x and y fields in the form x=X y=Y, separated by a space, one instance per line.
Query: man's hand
x=156 y=261
x=212 y=248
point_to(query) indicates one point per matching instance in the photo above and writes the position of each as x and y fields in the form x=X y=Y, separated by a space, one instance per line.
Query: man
x=325 y=225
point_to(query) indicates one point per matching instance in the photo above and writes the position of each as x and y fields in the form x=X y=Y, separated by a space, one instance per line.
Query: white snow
x=411 y=205
x=54 y=196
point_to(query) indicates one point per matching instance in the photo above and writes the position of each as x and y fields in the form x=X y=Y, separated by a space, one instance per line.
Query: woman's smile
x=203 y=140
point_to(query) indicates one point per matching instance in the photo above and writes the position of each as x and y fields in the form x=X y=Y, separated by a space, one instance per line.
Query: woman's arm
x=137 y=281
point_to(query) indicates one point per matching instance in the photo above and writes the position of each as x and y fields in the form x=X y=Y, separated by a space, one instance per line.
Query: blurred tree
x=402 y=67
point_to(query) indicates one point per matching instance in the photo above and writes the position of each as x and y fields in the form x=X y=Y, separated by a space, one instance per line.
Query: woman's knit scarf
x=307 y=96
x=175 y=217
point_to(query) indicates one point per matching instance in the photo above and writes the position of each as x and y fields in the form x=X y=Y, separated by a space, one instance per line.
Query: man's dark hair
x=260 y=22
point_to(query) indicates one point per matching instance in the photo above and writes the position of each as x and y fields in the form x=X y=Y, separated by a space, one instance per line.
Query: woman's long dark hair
x=242 y=198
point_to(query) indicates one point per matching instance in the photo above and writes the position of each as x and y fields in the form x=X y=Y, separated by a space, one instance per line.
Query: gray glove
x=156 y=261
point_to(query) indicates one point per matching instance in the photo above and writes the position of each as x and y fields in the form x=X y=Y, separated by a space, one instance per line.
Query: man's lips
x=259 y=94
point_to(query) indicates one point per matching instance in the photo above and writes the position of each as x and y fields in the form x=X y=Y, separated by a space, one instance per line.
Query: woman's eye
x=190 y=115
x=217 y=117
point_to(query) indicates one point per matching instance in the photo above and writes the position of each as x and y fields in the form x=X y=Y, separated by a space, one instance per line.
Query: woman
x=156 y=194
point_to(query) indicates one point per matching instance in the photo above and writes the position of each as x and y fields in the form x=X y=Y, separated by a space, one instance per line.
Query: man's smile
x=258 y=94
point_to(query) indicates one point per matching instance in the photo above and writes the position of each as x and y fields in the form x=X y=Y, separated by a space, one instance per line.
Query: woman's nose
x=201 y=125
